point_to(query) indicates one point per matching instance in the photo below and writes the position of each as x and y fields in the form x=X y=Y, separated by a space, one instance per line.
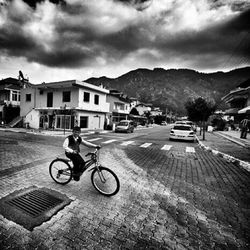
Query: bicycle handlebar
x=93 y=153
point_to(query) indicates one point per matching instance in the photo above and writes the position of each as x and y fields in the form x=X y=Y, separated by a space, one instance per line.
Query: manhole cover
x=32 y=206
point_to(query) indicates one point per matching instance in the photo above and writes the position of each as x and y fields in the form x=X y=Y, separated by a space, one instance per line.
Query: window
x=96 y=99
x=63 y=121
x=119 y=106
x=86 y=96
x=15 y=96
x=28 y=97
x=66 y=96
x=50 y=99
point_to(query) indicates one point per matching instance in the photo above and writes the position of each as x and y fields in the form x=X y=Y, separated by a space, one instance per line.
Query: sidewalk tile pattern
x=193 y=201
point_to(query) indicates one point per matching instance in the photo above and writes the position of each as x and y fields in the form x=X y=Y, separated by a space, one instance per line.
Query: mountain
x=171 y=88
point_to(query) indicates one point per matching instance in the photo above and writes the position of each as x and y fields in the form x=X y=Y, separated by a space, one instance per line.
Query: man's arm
x=89 y=144
x=66 y=146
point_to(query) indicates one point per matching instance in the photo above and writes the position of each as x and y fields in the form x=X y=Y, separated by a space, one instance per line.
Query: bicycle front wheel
x=60 y=171
x=105 y=181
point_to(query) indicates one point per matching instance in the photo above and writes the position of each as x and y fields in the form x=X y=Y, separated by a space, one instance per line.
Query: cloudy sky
x=77 y=39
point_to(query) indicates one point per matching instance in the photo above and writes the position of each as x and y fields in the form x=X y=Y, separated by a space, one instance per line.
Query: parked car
x=164 y=123
x=180 y=122
x=182 y=132
x=125 y=126
x=187 y=123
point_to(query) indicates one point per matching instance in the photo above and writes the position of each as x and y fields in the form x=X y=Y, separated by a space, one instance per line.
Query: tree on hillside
x=199 y=110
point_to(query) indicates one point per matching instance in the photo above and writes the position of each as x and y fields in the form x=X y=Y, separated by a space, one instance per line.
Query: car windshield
x=180 y=127
x=123 y=124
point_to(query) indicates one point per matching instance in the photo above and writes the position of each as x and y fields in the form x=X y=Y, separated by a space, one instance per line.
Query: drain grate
x=32 y=206
x=35 y=202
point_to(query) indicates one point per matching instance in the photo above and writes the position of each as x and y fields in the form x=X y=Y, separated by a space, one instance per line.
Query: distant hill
x=171 y=88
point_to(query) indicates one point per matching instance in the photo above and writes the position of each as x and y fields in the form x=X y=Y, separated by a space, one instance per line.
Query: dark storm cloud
x=239 y=24
x=75 y=35
x=33 y=3
x=138 y=4
x=216 y=43
x=62 y=57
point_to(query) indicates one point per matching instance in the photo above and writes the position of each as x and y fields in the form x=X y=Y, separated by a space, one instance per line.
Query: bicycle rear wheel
x=60 y=171
x=105 y=181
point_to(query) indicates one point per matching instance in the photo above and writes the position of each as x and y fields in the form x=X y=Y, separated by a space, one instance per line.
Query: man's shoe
x=76 y=178
x=76 y=175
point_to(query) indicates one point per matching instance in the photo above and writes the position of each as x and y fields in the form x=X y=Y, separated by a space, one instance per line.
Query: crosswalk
x=165 y=147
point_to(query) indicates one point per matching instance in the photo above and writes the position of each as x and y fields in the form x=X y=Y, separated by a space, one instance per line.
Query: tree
x=134 y=111
x=199 y=110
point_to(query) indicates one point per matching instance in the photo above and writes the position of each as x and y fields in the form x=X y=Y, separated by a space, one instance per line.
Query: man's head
x=76 y=131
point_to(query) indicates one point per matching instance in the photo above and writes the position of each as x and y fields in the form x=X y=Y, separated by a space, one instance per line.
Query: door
x=50 y=99
x=83 y=121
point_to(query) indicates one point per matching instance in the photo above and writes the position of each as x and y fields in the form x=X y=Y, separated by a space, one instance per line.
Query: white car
x=182 y=132
x=125 y=126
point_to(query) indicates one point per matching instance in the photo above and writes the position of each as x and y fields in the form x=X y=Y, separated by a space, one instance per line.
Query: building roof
x=70 y=83
x=244 y=84
x=10 y=81
x=239 y=93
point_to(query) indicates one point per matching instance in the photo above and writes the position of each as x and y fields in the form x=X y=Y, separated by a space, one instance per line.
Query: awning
x=245 y=110
x=232 y=111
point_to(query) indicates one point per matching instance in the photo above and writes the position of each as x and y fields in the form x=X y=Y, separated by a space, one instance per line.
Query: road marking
x=127 y=143
x=166 y=147
x=190 y=150
x=109 y=141
x=94 y=139
x=145 y=145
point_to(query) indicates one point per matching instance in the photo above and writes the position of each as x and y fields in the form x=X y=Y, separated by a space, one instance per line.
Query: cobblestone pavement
x=218 y=141
x=168 y=200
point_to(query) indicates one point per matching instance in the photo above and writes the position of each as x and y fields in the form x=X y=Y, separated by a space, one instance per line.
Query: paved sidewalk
x=62 y=133
x=234 y=136
x=229 y=145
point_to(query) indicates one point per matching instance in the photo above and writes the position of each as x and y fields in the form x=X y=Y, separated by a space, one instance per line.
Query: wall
x=112 y=100
x=103 y=105
x=57 y=98
x=95 y=121
x=26 y=107
x=33 y=119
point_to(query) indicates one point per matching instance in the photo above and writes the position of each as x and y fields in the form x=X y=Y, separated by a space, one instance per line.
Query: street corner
x=227 y=157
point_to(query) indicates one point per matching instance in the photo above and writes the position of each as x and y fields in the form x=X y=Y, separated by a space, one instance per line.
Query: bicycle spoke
x=60 y=171
x=105 y=181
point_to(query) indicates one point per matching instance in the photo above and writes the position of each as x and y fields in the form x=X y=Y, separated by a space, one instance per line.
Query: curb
x=227 y=157
x=241 y=143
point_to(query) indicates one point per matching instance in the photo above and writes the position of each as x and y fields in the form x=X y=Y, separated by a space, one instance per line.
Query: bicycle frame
x=94 y=160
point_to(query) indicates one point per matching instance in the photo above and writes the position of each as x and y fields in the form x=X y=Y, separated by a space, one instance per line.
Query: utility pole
x=65 y=106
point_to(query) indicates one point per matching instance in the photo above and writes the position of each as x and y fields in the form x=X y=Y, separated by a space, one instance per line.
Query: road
x=174 y=195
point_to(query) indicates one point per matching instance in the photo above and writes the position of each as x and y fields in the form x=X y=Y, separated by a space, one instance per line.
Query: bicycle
x=103 y=179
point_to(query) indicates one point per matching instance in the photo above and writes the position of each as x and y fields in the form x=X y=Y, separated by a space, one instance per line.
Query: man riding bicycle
x=72 y=150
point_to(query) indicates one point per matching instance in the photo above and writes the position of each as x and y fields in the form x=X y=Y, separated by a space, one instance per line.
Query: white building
x=62 y=105
x=119 y=107
x=143 y=108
